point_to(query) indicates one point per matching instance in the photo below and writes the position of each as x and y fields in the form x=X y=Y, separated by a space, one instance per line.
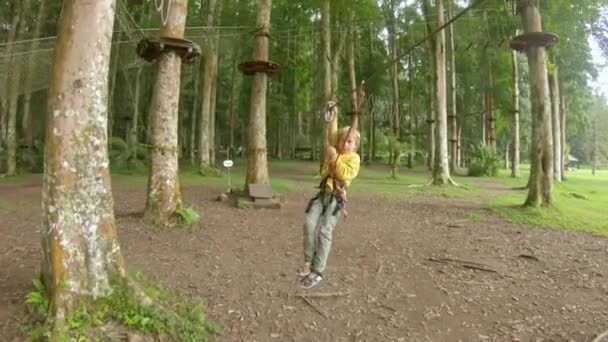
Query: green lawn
x=580 y=203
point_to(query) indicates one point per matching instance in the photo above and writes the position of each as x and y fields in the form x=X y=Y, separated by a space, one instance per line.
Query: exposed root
x=602 y=337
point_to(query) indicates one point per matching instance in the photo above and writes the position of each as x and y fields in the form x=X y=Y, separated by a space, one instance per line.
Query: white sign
x=228 y=163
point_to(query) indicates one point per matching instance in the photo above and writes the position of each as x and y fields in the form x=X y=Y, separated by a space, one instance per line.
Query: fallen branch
x=314 y=306
x=528 y=256
x=463 y=263
x=324 y=295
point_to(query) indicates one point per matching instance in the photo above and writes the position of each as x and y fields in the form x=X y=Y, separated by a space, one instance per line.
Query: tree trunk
x=555 y=123
x=132 y=137
x=114 y=74
x=27 y=122
x=372 y=130
x=213 y=103
x=541 y=159
x=453 y=113
x=257 y=164
x=81 y=256
x=327 y=65
x=594 y=150
x=204 y=139
x=411 y=134
x=562 y=102
x=194 y=111
x=441 y=171
x=515 y=170
x=164 y=194
x=5 y=79
x=15 y=78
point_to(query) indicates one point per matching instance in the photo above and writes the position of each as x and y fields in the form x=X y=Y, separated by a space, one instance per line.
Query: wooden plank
x=260 y=191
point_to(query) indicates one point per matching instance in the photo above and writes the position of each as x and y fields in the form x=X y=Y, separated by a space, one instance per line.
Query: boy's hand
x=331 y=153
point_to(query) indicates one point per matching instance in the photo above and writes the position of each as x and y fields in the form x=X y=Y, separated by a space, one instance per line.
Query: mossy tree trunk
x=81 y=255
x=540 y=184
x=164 y=195
x=257 y=163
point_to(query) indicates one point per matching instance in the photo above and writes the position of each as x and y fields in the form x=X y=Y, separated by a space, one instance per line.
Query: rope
x=426 y=38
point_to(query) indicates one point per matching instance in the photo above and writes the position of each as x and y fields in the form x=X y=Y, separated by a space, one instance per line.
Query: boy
x=340 y=167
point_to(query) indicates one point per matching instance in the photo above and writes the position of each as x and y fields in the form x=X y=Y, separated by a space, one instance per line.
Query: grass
x=578 y=204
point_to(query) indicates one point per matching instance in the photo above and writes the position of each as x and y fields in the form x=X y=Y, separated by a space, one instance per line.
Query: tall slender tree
x=164 y=194
x=540 y=184
x=209 y=66
x=257 y=151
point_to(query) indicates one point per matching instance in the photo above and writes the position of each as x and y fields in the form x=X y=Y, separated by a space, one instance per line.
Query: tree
x=540 y=183
x=441 y=170
x=257 y=164
x=389 y=13
x=556 y=120
x=81 y=255
x=164 y=194
x=515 y=169
x=209 y=67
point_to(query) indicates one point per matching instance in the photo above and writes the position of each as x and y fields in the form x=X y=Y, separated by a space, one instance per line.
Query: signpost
x=228 y=164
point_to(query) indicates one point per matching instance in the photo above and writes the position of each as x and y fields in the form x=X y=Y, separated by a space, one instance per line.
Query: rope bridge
x=37 y=55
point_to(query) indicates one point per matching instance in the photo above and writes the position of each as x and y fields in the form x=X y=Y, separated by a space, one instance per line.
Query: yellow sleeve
x=347 y=167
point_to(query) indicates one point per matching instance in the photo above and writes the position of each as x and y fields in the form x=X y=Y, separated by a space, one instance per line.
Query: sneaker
x=304 y=270
x=311 y=280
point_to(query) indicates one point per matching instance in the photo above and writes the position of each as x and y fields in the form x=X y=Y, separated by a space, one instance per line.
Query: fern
x=38 y=298
x=187 y=215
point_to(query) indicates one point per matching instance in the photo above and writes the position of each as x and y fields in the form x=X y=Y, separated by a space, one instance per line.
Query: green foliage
x=127 y=157
x=37 y=299
x=187 y=215
x=483 y=161
x=182 y=319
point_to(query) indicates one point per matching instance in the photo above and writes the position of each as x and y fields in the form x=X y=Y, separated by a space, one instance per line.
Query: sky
x=601 y=83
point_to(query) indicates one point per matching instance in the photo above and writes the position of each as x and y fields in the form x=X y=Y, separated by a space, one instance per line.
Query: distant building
x=573 y=162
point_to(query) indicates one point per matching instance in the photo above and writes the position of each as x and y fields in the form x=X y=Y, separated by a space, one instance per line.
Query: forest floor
x=417 y=268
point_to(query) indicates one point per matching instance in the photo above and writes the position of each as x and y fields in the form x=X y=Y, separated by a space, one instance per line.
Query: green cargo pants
x=322 y=215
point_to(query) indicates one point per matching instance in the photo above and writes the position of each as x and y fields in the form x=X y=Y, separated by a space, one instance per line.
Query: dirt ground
x=421 y=269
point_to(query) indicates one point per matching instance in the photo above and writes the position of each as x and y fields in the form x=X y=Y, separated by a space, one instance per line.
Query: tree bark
x=441 y=170
x=27 y=122
x=515 y=169
x=327 y=65
x=5 y=78
x=453 y=121
x=564 y=155
x=555 y=121
x=164 y=194
x=194 y=111
x=204 y=140
x=15 y=78
x=81 y=255
x=394 y=75
x=257 y=164
x=540 y=190
x=132 y=136
x=213 y=103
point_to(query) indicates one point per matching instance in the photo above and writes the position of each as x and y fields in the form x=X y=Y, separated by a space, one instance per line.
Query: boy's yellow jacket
x=347 y=167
